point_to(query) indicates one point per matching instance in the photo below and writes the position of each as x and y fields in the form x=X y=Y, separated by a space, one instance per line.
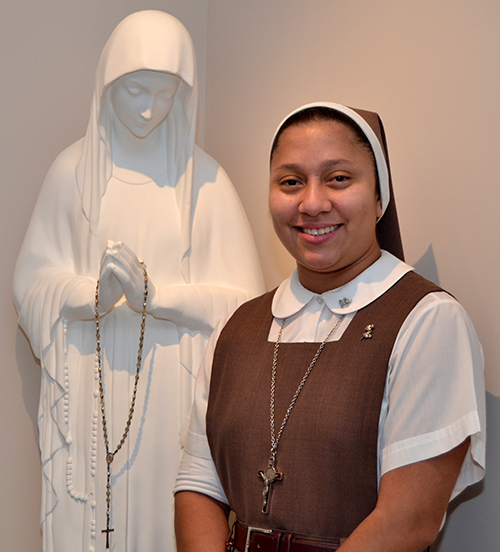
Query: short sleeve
x=197 y=471
x=435 y=395
x=199 y=475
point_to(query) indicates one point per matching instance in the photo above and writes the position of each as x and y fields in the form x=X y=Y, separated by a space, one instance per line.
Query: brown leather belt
x=255 y=539
x=250 y=539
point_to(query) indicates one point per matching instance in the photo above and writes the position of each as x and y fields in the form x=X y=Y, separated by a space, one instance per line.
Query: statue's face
x=143 y=99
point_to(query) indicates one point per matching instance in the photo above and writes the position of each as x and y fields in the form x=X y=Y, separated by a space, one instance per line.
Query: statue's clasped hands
x=121 y=274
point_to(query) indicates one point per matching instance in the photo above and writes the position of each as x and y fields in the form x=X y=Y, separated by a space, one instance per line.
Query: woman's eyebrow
x=332 y=163
x=327 y=163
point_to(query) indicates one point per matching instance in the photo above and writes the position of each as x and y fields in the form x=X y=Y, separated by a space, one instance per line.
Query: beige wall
x=429 y=68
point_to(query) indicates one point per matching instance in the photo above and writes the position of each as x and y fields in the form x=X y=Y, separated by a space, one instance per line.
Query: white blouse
x=434 y=396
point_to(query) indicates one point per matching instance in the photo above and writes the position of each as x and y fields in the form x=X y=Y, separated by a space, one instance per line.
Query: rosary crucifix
x=269 y=476
x=107 y=531
x=109 y=459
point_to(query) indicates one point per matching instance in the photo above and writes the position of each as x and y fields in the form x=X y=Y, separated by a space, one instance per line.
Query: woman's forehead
x=324 y=134
x=331 y=126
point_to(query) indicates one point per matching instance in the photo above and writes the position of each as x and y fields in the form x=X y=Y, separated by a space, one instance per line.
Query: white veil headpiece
x=370 y=124
x=156 y=41
x=378 y=152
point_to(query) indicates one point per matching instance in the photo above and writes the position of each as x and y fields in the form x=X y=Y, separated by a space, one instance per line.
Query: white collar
x=292 y=296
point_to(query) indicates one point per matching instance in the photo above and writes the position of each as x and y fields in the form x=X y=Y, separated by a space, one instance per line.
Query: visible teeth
x=319 y=231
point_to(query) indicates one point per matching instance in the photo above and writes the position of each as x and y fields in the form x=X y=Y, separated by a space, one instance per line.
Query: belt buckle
x=251 y=530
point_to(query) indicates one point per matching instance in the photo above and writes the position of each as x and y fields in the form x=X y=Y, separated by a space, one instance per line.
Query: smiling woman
x=346 y=408
x=324 y=202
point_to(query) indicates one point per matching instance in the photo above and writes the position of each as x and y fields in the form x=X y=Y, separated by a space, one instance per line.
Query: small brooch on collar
x=344 y=302
x=368 y=332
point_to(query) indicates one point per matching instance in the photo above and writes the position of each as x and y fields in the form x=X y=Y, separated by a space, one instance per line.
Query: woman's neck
x=321 y=281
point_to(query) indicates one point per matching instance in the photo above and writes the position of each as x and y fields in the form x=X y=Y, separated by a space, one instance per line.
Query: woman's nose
x=147 y=114
x=315 y=200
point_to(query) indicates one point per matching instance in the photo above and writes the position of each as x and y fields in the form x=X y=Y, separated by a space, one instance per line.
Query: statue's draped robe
x=198 y=279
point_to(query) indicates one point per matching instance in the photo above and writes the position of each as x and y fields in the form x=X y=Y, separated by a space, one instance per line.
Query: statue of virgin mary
x=135 y=187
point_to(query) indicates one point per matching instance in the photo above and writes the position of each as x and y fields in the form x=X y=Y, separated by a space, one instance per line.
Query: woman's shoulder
x=439 y=317
x=441 y=304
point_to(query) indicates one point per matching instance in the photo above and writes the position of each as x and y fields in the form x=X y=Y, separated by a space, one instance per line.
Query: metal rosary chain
x=110 y=455
x=276 y=439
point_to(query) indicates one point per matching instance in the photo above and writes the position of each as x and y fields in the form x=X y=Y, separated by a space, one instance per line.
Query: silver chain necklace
x=111 y=455
x=270 y=474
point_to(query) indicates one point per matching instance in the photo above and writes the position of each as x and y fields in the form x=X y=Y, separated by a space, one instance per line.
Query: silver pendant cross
x=268 y=476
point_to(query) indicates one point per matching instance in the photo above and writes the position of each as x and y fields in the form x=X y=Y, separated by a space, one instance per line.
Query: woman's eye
x=339 y=179
x=290 y=183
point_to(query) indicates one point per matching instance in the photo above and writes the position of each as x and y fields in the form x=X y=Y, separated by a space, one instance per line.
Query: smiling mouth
x=319 y=231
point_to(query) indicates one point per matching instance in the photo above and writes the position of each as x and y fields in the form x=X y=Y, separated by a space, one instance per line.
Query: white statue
x=136 y=186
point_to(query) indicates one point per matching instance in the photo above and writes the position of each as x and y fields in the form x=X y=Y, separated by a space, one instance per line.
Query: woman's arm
x=200 y=523
x=411 y=506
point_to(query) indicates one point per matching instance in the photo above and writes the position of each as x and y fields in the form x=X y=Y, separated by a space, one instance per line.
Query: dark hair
x=320 y=113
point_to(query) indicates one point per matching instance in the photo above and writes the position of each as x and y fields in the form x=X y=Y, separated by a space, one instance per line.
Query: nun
x=346 y=408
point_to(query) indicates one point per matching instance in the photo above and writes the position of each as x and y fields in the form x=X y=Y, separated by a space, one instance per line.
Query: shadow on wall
x=482 y=535
x=426 y=266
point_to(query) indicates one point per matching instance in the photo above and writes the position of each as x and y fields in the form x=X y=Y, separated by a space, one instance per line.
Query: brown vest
x=328 y=450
